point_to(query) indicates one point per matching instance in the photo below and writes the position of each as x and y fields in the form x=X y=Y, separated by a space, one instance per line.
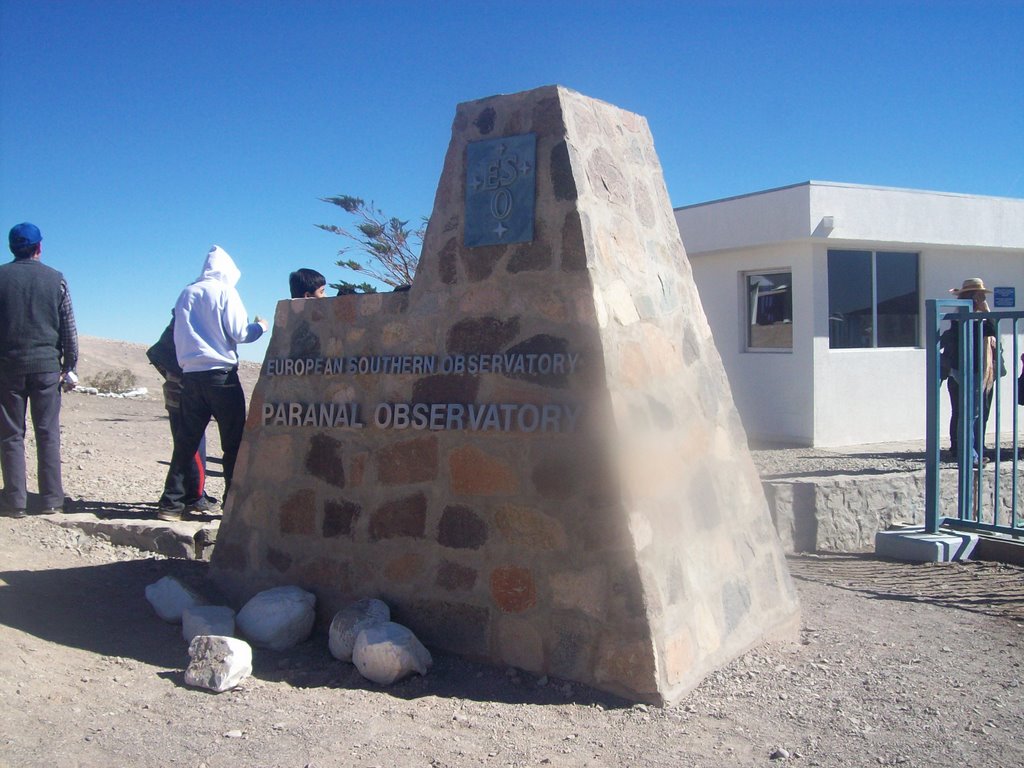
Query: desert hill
x=98 y=355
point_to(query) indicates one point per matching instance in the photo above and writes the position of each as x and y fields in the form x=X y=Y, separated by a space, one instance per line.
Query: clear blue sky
x=136 y=134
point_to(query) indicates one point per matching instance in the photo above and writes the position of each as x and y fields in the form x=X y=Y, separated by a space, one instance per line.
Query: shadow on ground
x=965 y=586
x=103 y=609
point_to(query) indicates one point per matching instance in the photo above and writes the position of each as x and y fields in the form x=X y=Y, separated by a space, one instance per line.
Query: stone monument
x=533 y=455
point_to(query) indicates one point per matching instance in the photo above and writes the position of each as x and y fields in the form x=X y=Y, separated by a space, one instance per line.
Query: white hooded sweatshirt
x=210 y=320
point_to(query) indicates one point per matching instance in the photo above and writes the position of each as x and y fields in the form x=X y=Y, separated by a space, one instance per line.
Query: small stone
x=779 y=754
x=233 y=735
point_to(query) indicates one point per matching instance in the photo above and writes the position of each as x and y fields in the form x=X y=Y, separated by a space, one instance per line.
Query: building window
x=769 y=317
x=873 y=299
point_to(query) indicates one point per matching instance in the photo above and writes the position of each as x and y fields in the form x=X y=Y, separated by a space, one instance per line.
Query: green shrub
x=115 y=381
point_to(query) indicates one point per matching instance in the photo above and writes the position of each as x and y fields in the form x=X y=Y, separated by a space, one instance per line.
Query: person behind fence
x=1020 y=383
x=306 y=284
x=165 y=360
x=38 y=354
x=210 y=322
x=973 y=289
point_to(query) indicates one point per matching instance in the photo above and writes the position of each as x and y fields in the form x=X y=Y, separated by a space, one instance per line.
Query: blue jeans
x=195 y=475
x=39 y=392
x=205 y=395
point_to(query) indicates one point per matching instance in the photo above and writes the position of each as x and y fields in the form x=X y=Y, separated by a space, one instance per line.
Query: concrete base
x=914 y=545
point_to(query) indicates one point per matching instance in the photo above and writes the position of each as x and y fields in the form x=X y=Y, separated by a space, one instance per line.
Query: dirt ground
x=912 y=665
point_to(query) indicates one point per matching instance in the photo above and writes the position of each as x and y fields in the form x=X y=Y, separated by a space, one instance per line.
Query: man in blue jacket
x=210 y=322
x=38 y=354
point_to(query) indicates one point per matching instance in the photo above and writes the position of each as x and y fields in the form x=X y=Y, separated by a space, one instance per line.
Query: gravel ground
x=895 y=664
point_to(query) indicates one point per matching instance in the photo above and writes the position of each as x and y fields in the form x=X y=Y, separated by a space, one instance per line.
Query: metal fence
x=988 y=483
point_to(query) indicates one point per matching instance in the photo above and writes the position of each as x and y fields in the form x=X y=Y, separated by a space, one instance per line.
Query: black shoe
x=11 y=512
x=52 y=511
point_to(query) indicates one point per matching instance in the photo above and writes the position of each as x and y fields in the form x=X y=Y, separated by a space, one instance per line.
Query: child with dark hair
x=306 y=284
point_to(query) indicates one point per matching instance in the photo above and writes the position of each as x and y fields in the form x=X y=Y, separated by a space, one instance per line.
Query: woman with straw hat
x=973 y=289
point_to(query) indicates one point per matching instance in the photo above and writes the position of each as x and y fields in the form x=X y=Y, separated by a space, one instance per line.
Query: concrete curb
x=189 y=540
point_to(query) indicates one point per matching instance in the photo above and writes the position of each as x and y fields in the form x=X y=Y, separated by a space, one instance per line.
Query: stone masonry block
x=461 y=528
x=410 y=461
x=513 y=589
x=475 y=473
x=297 y=513
x=400 y=518
x=324 y=460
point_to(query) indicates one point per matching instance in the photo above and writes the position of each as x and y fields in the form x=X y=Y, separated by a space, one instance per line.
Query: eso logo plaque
x=500 y=190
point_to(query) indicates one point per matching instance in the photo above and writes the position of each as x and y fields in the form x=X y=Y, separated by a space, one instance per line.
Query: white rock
x=207 y=620
x=387 y=652
x=218 y=663
x=350 y=621
x=278 y=618
x=169 y=598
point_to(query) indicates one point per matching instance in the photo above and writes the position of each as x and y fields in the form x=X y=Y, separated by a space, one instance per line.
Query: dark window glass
x=872 y=299
x=770 y=310
x=849 y=299
x=896 y=277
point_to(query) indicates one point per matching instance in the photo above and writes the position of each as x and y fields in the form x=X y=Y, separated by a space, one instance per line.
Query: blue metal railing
x=981 y=499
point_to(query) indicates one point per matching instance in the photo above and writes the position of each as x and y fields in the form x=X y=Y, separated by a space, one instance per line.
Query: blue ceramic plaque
x=500 y=190
x=1004 y=296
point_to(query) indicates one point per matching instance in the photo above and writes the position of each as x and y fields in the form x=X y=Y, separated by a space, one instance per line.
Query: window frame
x=745 y=276
x=874 y=253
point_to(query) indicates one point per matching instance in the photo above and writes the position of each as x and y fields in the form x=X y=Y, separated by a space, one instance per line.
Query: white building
x=815 y=294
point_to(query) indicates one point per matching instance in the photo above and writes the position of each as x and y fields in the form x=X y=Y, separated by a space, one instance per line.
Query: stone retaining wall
x=843 y=513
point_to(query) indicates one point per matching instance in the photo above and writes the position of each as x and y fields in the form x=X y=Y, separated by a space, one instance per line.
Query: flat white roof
x=835 y=211
x=843 y=185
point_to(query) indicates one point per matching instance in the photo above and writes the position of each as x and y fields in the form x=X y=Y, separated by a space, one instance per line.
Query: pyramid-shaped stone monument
x=533 y=455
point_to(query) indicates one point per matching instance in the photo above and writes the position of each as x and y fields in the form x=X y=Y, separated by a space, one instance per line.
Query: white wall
x=868 y=395
x=773 y=390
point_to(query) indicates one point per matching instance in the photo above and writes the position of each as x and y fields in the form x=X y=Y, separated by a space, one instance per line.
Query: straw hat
x=971 y=285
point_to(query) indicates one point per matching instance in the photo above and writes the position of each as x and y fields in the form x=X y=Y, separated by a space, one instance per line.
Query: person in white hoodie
x=210 y=322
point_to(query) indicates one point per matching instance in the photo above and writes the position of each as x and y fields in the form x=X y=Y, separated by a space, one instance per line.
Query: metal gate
x=988 y=489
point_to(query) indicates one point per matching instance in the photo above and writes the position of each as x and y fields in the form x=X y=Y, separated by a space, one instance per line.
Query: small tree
x=392 y=247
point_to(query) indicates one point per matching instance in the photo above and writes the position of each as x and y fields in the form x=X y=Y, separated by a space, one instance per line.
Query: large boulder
x=278 y=618
x=387 y=652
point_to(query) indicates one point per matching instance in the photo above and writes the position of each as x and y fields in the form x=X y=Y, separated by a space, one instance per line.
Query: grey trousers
x=39 y=392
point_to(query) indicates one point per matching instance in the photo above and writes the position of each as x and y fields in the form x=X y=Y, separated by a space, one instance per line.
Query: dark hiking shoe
x=202 y=505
